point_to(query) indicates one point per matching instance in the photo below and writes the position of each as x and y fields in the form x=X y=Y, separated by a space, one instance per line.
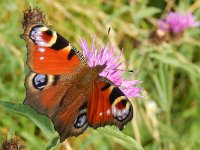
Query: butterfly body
x=62 y=86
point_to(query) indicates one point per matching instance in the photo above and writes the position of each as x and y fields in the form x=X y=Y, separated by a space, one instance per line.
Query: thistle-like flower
x=178 y=22
x=114 y=69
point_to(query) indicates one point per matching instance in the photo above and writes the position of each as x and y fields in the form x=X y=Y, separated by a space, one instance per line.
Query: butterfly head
x=100 y=68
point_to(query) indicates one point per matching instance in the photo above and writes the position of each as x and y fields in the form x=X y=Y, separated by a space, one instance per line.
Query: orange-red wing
x=53 y=62
x=71 y=120
x=44 y=92
x=49 y=52
x=108 y=105
x=64 y=104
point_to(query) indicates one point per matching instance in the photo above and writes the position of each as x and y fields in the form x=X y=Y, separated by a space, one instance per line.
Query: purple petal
x=105 y=54
x=178 y=22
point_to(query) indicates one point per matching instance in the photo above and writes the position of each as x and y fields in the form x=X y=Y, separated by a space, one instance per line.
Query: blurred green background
x=166 y=117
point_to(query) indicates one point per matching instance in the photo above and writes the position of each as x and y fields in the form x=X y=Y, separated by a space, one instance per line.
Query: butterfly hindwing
x=108 y=105
x=49 y=95
x=71 y=120
x=44 y=92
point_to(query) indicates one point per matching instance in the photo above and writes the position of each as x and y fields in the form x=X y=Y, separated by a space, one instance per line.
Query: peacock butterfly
x=62 y=86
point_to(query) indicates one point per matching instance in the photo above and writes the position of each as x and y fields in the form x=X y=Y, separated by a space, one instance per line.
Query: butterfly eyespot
x=42 y=36
x=80 y=120
x=39 y=81
x=121 y=108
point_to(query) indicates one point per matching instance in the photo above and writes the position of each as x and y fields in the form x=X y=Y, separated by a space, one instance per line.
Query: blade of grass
x=174 y=62
x=10 y=134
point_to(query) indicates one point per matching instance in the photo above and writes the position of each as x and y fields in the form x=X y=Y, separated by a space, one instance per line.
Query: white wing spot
x=100 y=114
x=108 y=112
x=41 y=58
x=41 y=49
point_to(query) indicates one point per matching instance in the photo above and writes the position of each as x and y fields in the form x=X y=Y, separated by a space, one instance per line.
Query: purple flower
x=113 y=71
x=178 y=22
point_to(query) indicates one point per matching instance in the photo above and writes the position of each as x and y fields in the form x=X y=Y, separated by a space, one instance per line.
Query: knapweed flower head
x=12 y=144
x=105 y=55
x=178 y=22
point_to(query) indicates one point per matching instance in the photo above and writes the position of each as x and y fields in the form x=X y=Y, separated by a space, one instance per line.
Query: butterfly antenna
x=120 y=70
x=124 y=70
x=108 y=32
x=109 y=29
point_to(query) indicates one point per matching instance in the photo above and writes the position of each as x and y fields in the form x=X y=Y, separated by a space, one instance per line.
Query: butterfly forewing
x=49 y=52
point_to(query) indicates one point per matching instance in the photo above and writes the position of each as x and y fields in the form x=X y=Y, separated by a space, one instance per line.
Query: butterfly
x=63 y=87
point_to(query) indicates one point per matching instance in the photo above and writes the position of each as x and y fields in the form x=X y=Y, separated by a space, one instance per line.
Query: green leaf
x=121 y=138
x=54 y=143
x=41 y=121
